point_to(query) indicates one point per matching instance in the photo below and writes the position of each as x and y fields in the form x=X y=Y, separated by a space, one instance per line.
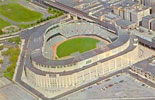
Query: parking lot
x=119 y=86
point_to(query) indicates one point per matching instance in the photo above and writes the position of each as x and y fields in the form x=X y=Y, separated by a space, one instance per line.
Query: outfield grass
x=18 y=13
x=76 y=45
x=3 y=23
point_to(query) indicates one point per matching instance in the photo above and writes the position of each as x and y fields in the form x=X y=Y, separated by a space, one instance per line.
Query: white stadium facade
x=56 y=76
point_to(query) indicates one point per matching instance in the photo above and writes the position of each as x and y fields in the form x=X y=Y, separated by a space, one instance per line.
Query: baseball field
x=81 y=45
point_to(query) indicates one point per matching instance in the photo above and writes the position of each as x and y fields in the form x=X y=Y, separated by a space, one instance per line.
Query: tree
x=1 y=47
x=1 y=32
x=50 y=8
x=1 y=61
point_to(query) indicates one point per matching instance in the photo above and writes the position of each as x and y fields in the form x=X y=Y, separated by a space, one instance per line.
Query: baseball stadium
x=67 y=55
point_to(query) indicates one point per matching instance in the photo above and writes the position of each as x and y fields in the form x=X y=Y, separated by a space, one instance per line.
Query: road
x=79 y=14
x=26 y=35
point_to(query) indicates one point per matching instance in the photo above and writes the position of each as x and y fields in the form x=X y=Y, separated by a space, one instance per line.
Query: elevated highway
x=79 y=14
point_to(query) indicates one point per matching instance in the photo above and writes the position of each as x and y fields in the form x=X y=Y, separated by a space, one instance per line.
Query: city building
x=145 y=68
x=153 y=25
x=124 y=24
x=148 y=3
x=131 y=11
x=145 y=36
x=146 y=21
x=110 y=17
x=153 y=8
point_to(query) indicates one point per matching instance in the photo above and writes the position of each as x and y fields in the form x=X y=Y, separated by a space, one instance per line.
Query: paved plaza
x=10 y=91
x=117 y=87
x=4 y=82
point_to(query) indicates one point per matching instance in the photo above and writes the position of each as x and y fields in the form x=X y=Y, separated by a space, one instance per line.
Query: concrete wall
x=153 y=25
x=143 y=73
x=153 y=8
x=131 y=14
x=147 y=3
x=147 y=22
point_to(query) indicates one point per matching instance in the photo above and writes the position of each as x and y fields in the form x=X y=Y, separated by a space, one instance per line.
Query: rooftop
x=146 y=66
x=124 y=23
x=144 y=33
x=149 y=17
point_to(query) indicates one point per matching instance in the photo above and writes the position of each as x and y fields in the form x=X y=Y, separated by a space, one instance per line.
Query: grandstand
x=61 y=32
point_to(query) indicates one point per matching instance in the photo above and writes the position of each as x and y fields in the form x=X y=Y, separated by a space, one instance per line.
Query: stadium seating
x=70 y=30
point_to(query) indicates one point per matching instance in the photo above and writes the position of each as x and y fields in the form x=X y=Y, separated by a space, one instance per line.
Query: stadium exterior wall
x=84 y=62
x=57 y=84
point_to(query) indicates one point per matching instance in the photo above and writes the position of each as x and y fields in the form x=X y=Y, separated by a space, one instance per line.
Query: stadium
x=67 y=55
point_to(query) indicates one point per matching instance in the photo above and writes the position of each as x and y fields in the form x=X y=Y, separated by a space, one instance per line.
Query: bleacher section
x=50 y=43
